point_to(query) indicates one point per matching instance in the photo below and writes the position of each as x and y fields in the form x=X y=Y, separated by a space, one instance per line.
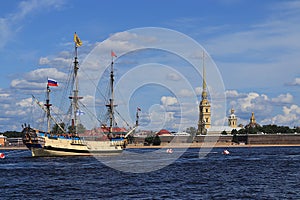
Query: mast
x=111 y=100
x=75 y=92
x=137 y=116
x=75 y=96
x=48 y=105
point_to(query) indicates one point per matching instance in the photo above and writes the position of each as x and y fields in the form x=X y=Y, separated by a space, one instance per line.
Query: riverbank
x=13 y=148
x=209 y=145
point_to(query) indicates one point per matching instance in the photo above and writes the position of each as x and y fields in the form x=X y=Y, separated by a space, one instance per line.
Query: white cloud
x=63 y=60
x=26 y=85
x=283 y=98
x=264 y=108
x=292 y=109
x=25 y=102
x=43 y=73
x=173 y=77
x=186 y=93
x=290 y=117
x=44 y=61
x=3 y=94
x=168 y=101
x=296 y=81
x=198 y=90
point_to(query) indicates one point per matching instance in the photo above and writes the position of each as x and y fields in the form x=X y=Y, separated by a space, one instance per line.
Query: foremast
x=48 y=105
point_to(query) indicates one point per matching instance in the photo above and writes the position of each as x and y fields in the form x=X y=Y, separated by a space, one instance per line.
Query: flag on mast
x=77 y=40
x=52 y=82
x=113 y=54
x=79 y=112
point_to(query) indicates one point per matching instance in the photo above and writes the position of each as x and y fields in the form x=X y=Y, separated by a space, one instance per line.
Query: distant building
x=232 y=120
x=252 y=123
x=163 y=132
x=232 y=124
x=204 y=122
x=3 y=140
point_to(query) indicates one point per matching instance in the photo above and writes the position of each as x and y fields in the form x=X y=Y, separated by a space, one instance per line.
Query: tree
x=242 y=131
x=156 y=140
x=57 y=130
x=149 y=139
x=80 y=129
x=235 y=139
x=12 y=134
x=191 y=130
x=296 y=129
x=234 y=132
x=224 y=132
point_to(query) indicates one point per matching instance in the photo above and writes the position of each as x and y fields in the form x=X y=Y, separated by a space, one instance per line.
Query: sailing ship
x=63 y=143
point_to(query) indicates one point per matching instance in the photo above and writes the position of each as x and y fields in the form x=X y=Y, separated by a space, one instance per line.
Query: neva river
x=247 y=173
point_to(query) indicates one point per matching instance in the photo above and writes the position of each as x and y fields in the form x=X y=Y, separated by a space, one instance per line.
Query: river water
x=247 y=173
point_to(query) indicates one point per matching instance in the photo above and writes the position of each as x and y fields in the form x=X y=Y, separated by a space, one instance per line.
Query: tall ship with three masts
x=70 y=143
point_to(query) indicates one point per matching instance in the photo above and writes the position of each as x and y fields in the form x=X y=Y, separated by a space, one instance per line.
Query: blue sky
x=255 y=45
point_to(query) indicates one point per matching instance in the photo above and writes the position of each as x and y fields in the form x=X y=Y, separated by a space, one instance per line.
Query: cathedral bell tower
x=232 y=120
x=204 y=107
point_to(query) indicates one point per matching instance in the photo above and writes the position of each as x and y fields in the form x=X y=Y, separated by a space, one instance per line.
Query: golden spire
x=204 y=93
x=252 y=119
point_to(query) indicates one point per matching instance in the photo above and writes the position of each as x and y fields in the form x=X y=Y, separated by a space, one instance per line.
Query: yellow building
x=2 y=140
x=204 y=122
x=232 y=120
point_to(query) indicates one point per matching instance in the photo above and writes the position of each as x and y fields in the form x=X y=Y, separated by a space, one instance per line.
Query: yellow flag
x=77 y=40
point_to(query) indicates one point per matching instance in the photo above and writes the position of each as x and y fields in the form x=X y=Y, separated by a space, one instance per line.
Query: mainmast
x=75 y=96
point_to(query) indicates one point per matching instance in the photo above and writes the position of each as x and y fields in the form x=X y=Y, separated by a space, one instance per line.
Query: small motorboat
x=226 y=152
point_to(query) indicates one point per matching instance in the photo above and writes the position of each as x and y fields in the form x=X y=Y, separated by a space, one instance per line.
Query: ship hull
x=55 y=152
x=44 y=145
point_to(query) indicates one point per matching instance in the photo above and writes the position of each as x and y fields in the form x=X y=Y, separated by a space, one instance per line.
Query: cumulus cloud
x=234 y=94
x=173 y=77
x=263 y=106
x=186 y=93
x=26 y=85
x=289 y=117
x=36 y=79
x=296 y=81
x=283 y=98
x=44 y=61
x=42 y=74
x=168 y=101
x=25 y=102
x=63 y=60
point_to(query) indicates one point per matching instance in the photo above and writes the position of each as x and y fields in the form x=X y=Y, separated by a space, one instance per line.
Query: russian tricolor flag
x=52 y=82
